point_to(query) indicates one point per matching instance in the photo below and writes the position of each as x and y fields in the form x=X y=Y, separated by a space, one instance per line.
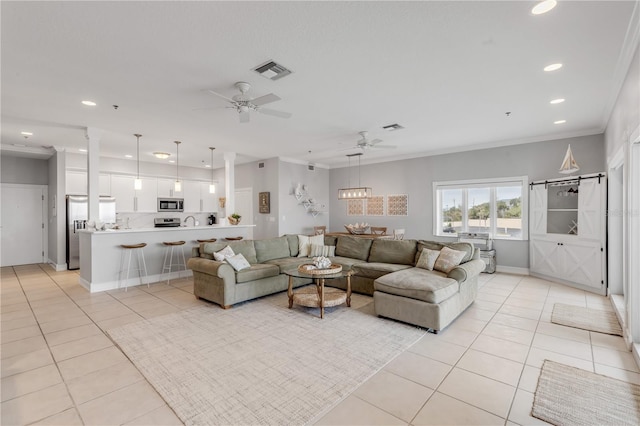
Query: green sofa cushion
x=256 y=272
x=419 y=284
x=288 y=263
x=402 y=252
x=353 y=247
x=272 y=248
x=245 y=247
x=376 y=270
x=293 y=244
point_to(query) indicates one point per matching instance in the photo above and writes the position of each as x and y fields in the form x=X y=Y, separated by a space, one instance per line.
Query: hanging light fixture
x=212 y=186
x=178 y=184
x=137 y=183
x=354 y=193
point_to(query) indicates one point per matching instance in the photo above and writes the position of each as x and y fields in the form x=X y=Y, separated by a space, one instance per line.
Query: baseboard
x=133 y=282
x=512 y=270
x=57 y=267
x=635 y=349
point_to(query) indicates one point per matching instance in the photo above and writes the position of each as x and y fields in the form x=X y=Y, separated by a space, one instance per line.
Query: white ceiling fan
x=365 y=143
x=244 y=104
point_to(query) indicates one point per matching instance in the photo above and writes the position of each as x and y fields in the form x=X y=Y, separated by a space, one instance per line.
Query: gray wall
x=261 y=179
x=294 y=218
x=414 y=177
x=29 y=171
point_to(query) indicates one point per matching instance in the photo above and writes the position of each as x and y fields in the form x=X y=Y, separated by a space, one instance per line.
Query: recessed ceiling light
x=82 y=150
x=161 y=155
x=557 y=101
x=207 y=165
x=89 y=103
x=552 y=67
x=128 y=156
x=26 y=133
x=560 y=122
x=172 y=161
x=543 y=7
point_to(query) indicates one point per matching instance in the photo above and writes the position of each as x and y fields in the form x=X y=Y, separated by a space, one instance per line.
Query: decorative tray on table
x=311 y=269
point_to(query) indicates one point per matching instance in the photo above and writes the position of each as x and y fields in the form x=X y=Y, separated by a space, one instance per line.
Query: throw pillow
x=221 y=255
x=305 y=243
x=321 y=250
x=238 y=262
x=448 y=259
x=427 y=259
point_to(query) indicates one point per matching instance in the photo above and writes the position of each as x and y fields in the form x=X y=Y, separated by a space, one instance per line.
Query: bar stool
x=210 y=240
x=233 y=238
x=142 y=266
x=168 y=253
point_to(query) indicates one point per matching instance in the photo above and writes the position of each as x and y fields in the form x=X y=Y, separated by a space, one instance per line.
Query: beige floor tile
x=491 y=366
x=396 y=395
x=9 y=316
x=30 y=381
x=162 y=416
x=59 y=314
x=16 y=307
x=119 y=321
x=489 y=297
x=487 y=306
x=141 y=297
x=89 y=299
x=36 y=405
x=104 y=381
x=22 y=346
x=524 y=303
x=469 y=324
x=88 y=363
x=25 y=362
x=479 y=391
x=58 y=301
x=511 y=334
x=107 y=314
x=18 y=323
x=68 y=417
x=149 y=305
x=71 y=334
x=563 y=346
x=354 y=411
x=502 y=348
x=617 y=373
x=612 y=358
x=448 y=353
x=457 y=336
x=158 y=311
x=479 y=314
x=529 y=379
x=122 y=405
x=80 y=347
x=496 y=291
x=537 y=356
x=102 y=306
x=444 y=410
x=608 y=341
x=20 y=333
x=425 y=371
x=564 y=332
x=521 y=409
x=65 y=323
x=18 y=299
x=533 y=314
x=131 y=292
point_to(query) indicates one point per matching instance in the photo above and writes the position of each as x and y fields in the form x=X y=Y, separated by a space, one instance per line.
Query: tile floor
x=59 y=367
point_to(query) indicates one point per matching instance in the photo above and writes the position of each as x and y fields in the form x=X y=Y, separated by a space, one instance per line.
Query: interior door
x=538 y=210
x=244 y=205
x=590 y=201
x=22 y=223
x=546 y=257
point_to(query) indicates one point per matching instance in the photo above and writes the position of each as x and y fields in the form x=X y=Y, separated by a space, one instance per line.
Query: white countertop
x=169 y=228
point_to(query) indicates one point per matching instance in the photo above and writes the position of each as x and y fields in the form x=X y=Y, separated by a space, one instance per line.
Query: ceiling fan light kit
x=354 y=193
x=243 y=104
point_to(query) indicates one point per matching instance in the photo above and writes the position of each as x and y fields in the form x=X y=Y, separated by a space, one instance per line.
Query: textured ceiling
x=446 y=71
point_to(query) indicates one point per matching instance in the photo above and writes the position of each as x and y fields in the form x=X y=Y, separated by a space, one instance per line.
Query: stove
x=166 y=222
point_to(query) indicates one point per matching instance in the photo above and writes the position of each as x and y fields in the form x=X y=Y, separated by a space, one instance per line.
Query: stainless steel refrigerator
x=77 y=215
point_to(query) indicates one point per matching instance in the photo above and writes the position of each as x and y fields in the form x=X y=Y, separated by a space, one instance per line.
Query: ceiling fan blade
x=266 y=99
x=244 y=117
x=375 y=142
x=275 y=113
x=219 y=95
x=383 y=146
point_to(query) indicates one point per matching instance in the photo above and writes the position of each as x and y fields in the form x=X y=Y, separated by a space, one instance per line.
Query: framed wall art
x=375 y=206
x=264 y=202
x=398 y=205
x=355 y=207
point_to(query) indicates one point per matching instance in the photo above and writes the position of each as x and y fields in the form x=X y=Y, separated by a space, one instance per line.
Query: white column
x=93 y=136
x=229 y=182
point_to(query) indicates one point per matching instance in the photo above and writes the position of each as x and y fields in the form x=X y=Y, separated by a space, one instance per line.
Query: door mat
x=586 y=318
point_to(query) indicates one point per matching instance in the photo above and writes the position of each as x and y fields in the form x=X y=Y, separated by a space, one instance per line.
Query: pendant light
x=212 y=186
x=354 y=193
x=178 y=184
x=137 y=183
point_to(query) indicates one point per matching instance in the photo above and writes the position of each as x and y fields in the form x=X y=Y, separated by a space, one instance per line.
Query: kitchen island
x=100 y=251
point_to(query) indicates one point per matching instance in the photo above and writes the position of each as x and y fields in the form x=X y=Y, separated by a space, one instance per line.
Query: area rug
x=586 y=318
x=570 y=396
x=260 y=362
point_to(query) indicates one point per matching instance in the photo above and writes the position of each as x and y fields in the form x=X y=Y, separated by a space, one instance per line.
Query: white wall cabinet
x=166 y=189
x=123 y=191
x=76 y=183
x=567 y=231
x=209 y=201
x=146 y=200
x=191 y=195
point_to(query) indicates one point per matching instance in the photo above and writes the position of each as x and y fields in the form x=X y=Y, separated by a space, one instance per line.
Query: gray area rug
x=570 y=396
x=260 y=362
x=586 y=318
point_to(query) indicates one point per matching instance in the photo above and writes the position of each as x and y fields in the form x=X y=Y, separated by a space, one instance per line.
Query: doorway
x=244 y=204
x=23 y=224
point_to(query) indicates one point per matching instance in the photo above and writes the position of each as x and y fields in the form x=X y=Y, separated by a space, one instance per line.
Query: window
x=495 y=206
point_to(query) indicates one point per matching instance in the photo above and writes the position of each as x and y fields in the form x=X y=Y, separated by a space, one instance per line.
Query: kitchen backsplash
x=145 y=220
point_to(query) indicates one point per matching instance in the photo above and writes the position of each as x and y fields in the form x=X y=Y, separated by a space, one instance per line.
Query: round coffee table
x=319 y=297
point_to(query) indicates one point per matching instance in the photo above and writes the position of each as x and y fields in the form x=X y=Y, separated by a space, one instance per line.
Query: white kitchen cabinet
x=123 y=191
x=76 y=183
x=191 y=195
x=166 y=188
x=567 y=231
x=146 y=200
x=209 y=201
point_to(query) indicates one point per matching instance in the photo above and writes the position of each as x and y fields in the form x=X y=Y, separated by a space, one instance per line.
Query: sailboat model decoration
x=569 y=164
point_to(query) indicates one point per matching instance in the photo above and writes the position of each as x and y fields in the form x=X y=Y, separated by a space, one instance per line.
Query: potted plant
x=234 y=219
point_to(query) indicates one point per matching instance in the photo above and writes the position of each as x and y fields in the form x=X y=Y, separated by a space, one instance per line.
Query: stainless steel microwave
x=170 y=204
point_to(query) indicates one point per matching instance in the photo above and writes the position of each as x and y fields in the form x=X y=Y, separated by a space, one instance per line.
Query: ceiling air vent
x=272 y=71
x=311 y=167
x=261 y=165
x=393 y=127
